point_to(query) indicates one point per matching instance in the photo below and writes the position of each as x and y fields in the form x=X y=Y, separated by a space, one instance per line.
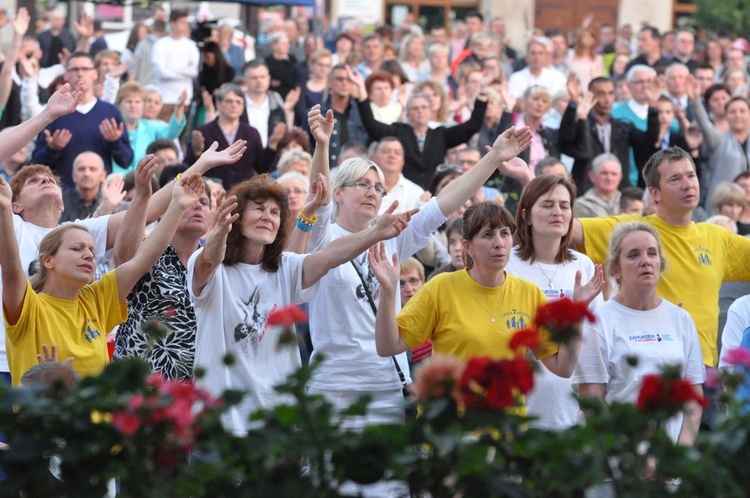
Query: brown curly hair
x=258 y=189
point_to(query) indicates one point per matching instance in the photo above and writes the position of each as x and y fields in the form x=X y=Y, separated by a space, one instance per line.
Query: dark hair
x=254 y=64
x=630 y=194
x=546 y=162
x=385 y=31
x=133 y=37
x=651 y=173
x=258 y=189
x=716 y=87
x=651 y=29
x=483 y=213
x=79 y=55
x=170 y=172
x=474 y=13
x=159 y=26
x=737 y=99
x=597 y=80
x=161 y=144
x=554 y=32
x=358 y=147
x=456 y=225
x=741 y=176
x=129 y=182
x=345 y=37
x=372 y=37
x=295 y=135
x=439 y=176
x=177 y=14
x=55 y=378
x=394 y=67
x=536 y=188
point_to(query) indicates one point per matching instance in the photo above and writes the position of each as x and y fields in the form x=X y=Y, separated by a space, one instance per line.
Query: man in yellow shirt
x=700 y=256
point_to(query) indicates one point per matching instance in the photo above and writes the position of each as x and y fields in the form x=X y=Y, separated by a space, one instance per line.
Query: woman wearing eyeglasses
x=342 y=318
x=544 y=222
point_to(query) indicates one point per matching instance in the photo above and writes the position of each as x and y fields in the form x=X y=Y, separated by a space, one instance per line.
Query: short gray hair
x=228 y=88
x=638 y=68
x=606 y=157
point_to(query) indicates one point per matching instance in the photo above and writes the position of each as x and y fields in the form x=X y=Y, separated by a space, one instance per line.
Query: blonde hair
x=353 y=169
x=436 y=87
x=291 y=156
x=48 y=247
x=727 y=193
x=615 y=245
x=128 y=89
x=413 y=264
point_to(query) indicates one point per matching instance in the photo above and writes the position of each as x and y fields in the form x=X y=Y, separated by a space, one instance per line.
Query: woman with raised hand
x=61 y=305
x=342 y=321
x=638 y=323
x=242 y=275
x=493 y=305
x=544 y=224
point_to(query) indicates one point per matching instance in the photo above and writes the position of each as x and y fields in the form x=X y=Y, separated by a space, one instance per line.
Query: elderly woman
x=440 y=71
x=141 y=132
x=638 y=323
x=438 y=103
x=230 y=105
x=412 y=57
x=295 y=160
x=296 y=186
x=544 y=221
x=380 y=88
x=424 y=147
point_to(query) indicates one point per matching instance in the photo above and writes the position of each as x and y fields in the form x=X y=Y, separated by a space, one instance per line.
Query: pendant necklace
x=551 y=279
x=492 y=315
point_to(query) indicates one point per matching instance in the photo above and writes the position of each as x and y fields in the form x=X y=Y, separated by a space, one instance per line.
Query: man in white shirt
x=389 y=155
x=537 y=72
x=264 y=109
x=176 y=59
x=676 y=76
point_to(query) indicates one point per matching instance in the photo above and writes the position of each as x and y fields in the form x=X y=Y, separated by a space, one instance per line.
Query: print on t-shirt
x=368 y=277
x=253 y=328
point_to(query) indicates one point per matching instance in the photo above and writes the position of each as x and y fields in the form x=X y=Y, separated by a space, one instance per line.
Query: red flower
x=127 y=423
x=526 y=337
x=562 y=317
x=287 y=316
x=671 y=396
x=495 y=384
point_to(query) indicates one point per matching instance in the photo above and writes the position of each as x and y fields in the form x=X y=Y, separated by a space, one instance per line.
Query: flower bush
x=469 y=440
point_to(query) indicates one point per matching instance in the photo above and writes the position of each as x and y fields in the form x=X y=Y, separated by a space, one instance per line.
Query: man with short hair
x=667 y=44
x=684 y=49
x=700 y=256
x=373 y=50
x=83 y=201
x=649 y=49
x=536 y=72
x=559 y=59
x=588 y=129
x=631 y=201
x=175 y=59
x=497 y=28
x=388 y=153
x=706 y=76
x=265 y=110
x=551 y=165
x=348 y=125
x=606 y=36
x=676 y=78
x=735 y=59
x=603 y=199
x=166 y=153
x=53 y=40
x=474 y=22
x=95 y=126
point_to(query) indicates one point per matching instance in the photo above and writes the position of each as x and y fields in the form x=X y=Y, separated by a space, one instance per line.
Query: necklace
x=492 y=315
x=552 y=278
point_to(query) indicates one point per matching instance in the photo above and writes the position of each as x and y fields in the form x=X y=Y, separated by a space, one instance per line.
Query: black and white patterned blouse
x=163 y=294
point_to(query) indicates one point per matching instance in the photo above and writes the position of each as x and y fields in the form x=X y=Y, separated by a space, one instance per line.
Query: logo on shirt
x=704 y=256
x=516 y=319
x=651 y=338
x=90 y=334
x=253 y=328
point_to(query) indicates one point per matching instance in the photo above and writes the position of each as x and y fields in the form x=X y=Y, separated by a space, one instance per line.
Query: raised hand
x=390 y=225
x=276 y=135
x=21 y=22
x=321 y=127
x=211 y=158
x=585 y=105
x=63 y=56
x=145 y=170
x=292 y=98
x=653 y=92
x=511 y=143
x=48 y=356
x=693 y=137
x=198 y=142
x=386 y=273
x=84 y=25
x=64 y=101
x=588 y=292
x=208 y=100
x=111 y=130
x=112 y=193
x=359 y=82
x=693 y=89
x=223 y=218
x=27 y=66
x=57 y=140
x=187 y=190
x=6 y=194
x=517 y=169
x=119 y=69
x=319 y=195
x=574 y=87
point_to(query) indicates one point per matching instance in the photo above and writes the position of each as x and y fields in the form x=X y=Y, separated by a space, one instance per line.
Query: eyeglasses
x=80 y=69
x=365 y=186
x=412 y=281
x=467 y=161
x=294 y=191
x=442 y=168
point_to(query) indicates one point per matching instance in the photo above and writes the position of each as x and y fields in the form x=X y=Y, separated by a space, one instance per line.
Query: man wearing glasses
x=95 y=126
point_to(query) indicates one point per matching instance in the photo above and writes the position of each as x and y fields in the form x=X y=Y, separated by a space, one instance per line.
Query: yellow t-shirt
x=700 y=256
x=454 y=312
x=77 y=328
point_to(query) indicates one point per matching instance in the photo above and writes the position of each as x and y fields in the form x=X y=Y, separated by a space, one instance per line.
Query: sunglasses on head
x=442 y=168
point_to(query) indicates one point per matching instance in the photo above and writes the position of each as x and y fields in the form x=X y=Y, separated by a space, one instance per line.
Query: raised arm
x=299 y=240
x=160 y=200
x=20 y=26
x=462 y=133
x=711 y=135
x=14 y=279
x=344 y=249
x=321 y=128
x=185 y=192
x=216 y=245
x=130 y=235
x=62 y=102
x=388 y=341
x=507 y=146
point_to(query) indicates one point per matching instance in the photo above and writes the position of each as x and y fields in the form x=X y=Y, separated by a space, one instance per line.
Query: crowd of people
x=424 y=193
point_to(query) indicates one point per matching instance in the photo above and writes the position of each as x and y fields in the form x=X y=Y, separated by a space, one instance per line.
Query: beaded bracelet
x=303 y=226
x=306 y=220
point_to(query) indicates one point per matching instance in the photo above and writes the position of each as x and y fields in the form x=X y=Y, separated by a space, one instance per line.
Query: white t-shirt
x=342 y=322
x=29 y=236
x=551 y=400
x=551 y=79
x=663 y=336
x=231 y=313
x=738 y=319
x=176 y=65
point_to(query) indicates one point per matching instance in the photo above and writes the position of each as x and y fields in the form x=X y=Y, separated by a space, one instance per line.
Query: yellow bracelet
x=307 y=220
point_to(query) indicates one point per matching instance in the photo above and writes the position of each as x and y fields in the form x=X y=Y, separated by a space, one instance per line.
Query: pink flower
x=127 y=423
x=738 y=356
x=437 y=376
